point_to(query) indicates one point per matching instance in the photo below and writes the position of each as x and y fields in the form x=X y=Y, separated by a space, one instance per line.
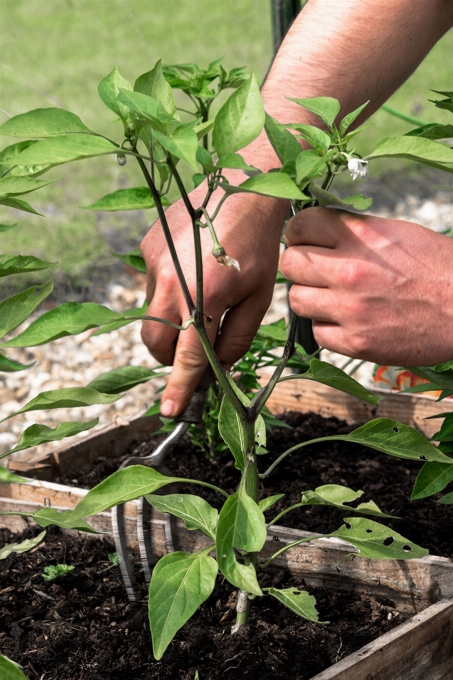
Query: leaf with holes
x=299 y=601
x=180 y=583
x=432 y=478
x=396 y=439
x=39 y=434
x=376 y=541
x=336 y=496
x=22 y=547
x=242 y=527
x=195 y=512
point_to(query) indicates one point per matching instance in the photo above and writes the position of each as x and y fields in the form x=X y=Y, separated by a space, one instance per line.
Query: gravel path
x=75 y=361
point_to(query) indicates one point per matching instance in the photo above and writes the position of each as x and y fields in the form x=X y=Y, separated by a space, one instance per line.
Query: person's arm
x=353 y=50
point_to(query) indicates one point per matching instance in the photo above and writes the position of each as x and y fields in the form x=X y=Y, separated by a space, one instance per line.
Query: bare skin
x=376 y=289
x=354 y=50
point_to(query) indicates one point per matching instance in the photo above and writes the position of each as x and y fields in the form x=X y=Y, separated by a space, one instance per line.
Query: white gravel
x=75 y=361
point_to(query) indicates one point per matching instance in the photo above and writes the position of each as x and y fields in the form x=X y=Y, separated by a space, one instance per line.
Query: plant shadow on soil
x=82 y=626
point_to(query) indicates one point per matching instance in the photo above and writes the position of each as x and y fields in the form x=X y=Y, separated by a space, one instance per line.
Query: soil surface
x=82 y=627
x=386 y=480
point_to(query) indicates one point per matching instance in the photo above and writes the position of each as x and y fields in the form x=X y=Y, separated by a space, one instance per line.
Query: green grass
x=54 y=52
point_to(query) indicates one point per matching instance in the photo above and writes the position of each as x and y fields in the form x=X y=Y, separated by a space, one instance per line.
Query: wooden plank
x=411 y=584
x=305 y=396
x=420 y=649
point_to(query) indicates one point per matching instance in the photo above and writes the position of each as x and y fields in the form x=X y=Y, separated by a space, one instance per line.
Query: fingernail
x=166 y=408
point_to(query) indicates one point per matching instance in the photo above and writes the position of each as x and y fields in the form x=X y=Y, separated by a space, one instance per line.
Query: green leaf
x=15 y=309
x=396 y=439
x=65 y=148
x=70 y=318
x=326 y=374
x=133 y=259
x=445 y=433
x=108 y=90
x=415 y=149
x=16 y=264
x=50 y=122
x=183 y=144
x=195 y=512
x=124 y=485
x=432 y=478
x=350 y=118
x=447 y=499
x=299 y=601
x=67 y=397
x=241 y=526
x=326 y=108
x=375 y=541
x=50 y=516
x=137 y=198
x=202 y=129
x=38 y=434
x=325 y=198
x=14 y=186
x=309 y=165
x=283 y=142
x=155 y=85
x=7 y=476
x=180 y=583
x=317 y=138
x=240 y=120
x=268 y=502
x=336 y=496
x=9 y=153
x=11 y=366
x=7 y=227
x=232 y=430
x=443 y=380
x=127 y=317
x=432 y=131
x=22 y=547
x=122 y=379
x=17 y=204
x=147 y=108
x=276 y=184
x=235 y=161
x=10 y=670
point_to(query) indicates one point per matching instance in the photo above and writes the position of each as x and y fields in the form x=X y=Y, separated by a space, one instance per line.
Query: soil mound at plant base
x=82 y=627
x=386 y=480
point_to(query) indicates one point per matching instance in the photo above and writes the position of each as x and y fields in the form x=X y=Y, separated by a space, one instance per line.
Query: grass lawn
x=54 y=52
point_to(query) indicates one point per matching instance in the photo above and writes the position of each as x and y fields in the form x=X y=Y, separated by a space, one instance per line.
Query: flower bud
x=224 y=259
x=121 y=158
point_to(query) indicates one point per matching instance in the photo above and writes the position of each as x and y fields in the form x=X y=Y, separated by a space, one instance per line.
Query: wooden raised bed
x=420 y=648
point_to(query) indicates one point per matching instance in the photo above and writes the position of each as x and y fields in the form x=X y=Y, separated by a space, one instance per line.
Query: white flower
x=357 y=168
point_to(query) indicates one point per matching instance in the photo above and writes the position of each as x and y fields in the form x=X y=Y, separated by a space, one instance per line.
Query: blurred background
x=54 y=52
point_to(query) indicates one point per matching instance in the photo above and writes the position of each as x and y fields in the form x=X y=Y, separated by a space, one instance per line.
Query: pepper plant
x=153 y=135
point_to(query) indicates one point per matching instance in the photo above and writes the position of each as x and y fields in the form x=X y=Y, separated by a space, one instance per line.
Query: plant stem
x=168 y=237
x=284 y=512
x=290 y=545
x=300 y=446
x=242 y=611
x=182 y=189
x=259 y=401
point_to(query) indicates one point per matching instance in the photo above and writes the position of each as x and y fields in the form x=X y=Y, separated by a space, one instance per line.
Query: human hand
x=376 y=289
x=249 y=228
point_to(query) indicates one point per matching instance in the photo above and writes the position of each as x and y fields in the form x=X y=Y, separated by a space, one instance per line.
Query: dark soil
x=81 y=626
x=386 y=480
